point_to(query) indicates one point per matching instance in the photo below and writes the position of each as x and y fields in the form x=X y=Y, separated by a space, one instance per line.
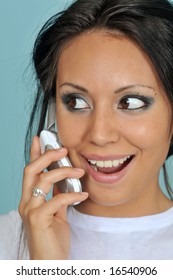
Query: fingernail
x=61 y=150
x=78 y=169
x=84 y=193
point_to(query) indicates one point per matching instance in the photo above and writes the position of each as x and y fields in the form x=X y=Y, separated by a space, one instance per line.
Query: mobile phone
x=48 y=141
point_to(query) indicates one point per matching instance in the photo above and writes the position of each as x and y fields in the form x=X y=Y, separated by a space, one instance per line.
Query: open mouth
x=110 y=166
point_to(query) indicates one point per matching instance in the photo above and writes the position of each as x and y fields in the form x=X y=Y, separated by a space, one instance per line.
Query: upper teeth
x=108 y=163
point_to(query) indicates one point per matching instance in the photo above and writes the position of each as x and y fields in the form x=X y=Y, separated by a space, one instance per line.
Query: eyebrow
x=74 y=86
x=116 y=91
x=133 y=86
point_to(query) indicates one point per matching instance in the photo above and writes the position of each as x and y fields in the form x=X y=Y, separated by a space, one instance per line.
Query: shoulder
x=10 y=233
x=10 y=218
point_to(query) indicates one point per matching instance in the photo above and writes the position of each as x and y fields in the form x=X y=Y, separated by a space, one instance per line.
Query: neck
x=136 y=207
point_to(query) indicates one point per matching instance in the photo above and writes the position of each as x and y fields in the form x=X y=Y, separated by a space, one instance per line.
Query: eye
x=134 y=102
x=74 y=102
x=77 y=103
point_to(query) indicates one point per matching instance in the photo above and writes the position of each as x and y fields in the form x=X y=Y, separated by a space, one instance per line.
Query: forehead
x=98 y=57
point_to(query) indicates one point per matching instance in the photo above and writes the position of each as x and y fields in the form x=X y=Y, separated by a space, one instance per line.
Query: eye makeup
x=134 y=102
x=74 y=102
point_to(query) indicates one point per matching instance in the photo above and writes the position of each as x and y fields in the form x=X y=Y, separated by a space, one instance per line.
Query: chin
x=107 y=195
x=108 y=202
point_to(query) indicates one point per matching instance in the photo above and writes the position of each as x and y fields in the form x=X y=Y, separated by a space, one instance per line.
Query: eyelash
x=67 y=97
x=147 y=100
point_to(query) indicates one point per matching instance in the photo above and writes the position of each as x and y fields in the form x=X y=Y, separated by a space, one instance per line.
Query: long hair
x=147 y=22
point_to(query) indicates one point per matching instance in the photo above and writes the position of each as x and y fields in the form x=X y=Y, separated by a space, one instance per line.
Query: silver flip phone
x=48 y=141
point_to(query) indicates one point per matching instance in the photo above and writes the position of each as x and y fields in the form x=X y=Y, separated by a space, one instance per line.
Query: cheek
x=70 y=132
x=149 y=134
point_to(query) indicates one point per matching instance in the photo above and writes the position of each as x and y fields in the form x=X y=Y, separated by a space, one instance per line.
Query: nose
x=104 y=127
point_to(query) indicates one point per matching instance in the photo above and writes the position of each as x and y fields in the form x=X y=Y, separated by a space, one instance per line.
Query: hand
x=45 y=222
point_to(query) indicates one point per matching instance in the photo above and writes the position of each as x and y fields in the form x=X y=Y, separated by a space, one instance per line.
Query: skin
x=100 y=64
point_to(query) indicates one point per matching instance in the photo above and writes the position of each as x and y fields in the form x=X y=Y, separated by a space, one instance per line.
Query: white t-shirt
x=143 y=238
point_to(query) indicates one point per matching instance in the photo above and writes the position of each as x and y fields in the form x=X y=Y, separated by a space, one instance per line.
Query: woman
x=110 y=73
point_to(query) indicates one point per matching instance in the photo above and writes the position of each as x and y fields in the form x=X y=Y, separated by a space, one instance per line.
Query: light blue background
x=20 y=21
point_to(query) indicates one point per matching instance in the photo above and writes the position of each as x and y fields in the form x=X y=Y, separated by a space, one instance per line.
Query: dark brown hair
x=148 y=22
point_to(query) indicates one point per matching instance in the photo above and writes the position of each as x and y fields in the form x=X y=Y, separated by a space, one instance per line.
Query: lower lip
x=106 y=178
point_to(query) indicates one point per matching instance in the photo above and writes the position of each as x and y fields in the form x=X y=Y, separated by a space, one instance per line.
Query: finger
x=35 y=168
x=58 y=204
x=44 y=160
x=56 y=208
x=47 y=179
x=35 y=149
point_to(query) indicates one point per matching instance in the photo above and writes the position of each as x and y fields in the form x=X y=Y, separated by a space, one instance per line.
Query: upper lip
x=104 y=158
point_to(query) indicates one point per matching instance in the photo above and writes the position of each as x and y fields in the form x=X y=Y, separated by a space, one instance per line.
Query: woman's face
x=113 y=117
